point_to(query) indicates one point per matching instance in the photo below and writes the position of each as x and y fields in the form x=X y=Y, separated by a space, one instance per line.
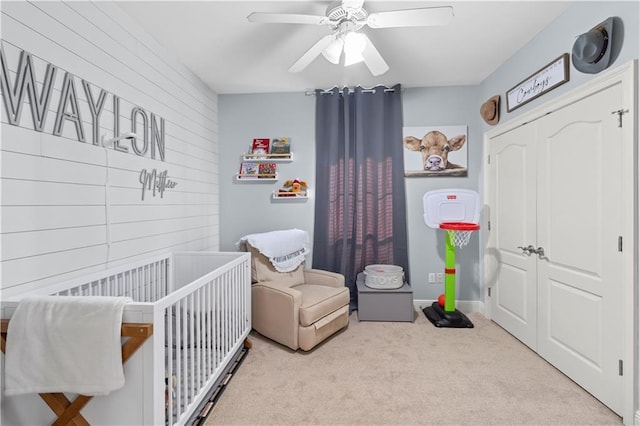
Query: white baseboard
x=636 y=418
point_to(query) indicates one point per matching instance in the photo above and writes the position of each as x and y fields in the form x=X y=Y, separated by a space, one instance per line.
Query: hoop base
x=440 y=318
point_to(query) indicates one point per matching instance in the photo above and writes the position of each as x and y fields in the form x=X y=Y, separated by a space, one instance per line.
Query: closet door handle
x=528 y=250
x=540 y=253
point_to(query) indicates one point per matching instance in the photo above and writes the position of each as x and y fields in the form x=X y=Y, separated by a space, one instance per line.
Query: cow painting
x=434 y=150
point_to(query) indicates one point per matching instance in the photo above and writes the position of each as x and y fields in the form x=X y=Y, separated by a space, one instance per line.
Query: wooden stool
x=68 y=412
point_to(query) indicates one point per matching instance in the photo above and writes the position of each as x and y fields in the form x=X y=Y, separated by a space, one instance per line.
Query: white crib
x=200 y=306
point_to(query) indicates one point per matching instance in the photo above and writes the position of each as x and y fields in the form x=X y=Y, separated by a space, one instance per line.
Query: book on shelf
x=260 y=146
x=267 y=169
x=248 y=169
x=281 y=147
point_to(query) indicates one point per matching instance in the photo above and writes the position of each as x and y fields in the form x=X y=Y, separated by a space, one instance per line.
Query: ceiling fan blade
x=286 y=18
x=311 y=54
x=372 y=58
x=411 y=17
x=352 y=4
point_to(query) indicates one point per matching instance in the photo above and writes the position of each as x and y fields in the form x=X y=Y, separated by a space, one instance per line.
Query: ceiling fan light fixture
x=345 y=18
x=333 y=52
x=354 y=44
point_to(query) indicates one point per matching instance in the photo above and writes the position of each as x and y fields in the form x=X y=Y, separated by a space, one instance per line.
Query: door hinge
x=488 y=159
x=620 y=243
x=489 y=291
x=620 y=112
x=620 y=367
x=488 y=225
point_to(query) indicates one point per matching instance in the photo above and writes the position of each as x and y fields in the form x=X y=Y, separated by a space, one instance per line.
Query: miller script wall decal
x=150 y=139
x=155 y=182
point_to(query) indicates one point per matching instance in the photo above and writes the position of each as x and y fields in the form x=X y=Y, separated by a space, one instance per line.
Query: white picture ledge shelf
x=256 y=178
x=272 y=158
x=289 y=196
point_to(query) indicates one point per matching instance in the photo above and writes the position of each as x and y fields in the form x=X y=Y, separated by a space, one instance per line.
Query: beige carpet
x=383 y=373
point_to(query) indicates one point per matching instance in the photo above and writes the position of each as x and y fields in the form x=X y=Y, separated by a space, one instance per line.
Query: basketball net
x=459 y=233
x=459 y=238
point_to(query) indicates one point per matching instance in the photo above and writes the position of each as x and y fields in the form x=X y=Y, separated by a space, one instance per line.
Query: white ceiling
x=231 y=55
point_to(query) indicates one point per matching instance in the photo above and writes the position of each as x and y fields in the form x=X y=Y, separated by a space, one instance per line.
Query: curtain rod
x=351 y=90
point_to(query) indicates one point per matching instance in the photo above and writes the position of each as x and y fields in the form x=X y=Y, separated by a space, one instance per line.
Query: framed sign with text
x=547 y=78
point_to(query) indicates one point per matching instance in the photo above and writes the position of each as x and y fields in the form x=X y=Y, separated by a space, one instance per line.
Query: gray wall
x=246 y=206
x=442 y=106
x=558 y=38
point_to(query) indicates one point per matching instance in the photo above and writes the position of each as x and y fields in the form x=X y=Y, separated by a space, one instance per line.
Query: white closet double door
x=555 y=185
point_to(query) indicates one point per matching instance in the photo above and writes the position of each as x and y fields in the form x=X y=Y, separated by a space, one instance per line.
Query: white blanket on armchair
x=65 y=344
x=285 y=249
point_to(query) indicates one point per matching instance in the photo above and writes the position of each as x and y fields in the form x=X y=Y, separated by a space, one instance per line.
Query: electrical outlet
x=432 y=277
x=439 y=277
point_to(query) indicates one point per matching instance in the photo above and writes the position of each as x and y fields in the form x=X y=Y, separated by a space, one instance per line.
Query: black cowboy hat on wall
x=593 y=51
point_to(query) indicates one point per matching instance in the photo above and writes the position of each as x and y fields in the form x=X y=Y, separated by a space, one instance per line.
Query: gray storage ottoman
x=384 y=305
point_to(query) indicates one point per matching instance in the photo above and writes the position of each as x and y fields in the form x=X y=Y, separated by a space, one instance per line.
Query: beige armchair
x=298 y=309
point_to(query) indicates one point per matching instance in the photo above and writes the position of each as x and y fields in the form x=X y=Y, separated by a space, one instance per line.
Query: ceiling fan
x=345 y=18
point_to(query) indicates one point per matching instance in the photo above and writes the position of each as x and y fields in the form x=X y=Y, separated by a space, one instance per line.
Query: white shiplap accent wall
x=53 y=203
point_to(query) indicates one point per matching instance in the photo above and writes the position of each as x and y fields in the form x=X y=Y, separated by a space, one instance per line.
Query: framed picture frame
x=447 y=156
x=545 y=79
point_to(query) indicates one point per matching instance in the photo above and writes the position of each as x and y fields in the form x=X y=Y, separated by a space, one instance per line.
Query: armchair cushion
x=320 y=277
x=320 y=300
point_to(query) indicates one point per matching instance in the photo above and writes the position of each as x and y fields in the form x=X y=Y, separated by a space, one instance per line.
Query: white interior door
x=579 y=222
x=513 y=223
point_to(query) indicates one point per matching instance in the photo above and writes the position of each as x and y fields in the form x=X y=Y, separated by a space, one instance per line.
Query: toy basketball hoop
x=459 y=233
x=456 y=211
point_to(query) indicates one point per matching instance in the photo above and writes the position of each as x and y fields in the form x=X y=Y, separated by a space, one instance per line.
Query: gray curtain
x=360 y=198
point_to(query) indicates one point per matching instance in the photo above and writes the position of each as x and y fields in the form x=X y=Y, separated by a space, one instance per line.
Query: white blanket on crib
x=285 y=249
x=65 y=344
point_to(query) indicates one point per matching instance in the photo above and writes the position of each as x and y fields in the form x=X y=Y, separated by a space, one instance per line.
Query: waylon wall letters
x=149 y=141
x=24 y=84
